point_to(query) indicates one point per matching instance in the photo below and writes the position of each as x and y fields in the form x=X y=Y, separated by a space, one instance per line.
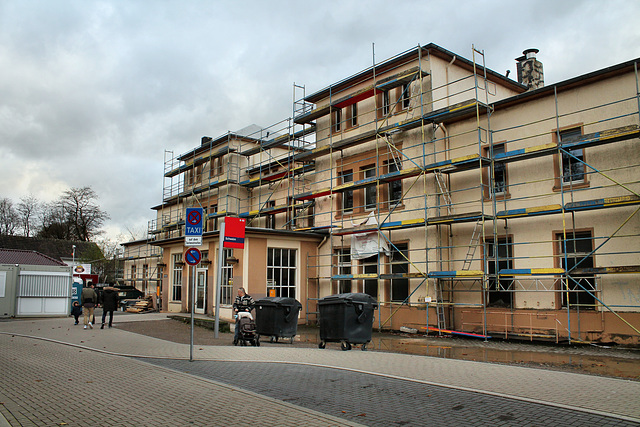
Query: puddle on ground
x=544 y=356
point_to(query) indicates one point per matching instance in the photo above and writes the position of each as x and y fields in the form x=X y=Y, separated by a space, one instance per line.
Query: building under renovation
x=462 y=200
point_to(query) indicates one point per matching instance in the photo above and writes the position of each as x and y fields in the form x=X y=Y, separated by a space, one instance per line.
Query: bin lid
x=349 y=298
x=278 y=301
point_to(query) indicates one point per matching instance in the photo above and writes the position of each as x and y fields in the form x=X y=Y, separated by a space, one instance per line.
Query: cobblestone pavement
x=376 y=400
x=160 y=391
x=47 y=384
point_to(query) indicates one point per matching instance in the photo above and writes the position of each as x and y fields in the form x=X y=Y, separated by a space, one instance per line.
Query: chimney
x=530 y=69
x=205 y=140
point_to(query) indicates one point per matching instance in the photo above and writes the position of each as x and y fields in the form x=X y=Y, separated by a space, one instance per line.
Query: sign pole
x=192 y=292
x=192 y=256
x=219 y=281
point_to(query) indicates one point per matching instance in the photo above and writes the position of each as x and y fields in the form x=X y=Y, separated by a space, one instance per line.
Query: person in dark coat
x=109 y=304
x=76 y=311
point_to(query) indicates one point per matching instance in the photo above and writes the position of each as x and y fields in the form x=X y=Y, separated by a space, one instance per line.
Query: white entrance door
x=201 y=291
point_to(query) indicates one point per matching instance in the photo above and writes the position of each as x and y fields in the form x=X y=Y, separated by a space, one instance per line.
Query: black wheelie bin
x=277 y=317
x=346 y=318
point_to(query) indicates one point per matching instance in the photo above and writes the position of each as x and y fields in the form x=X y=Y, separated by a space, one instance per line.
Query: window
x=386 y=103
x=354 y=115
x=406 y=95
x=500 y=184
x=226 y=288
x=344 y=268
x=337 y=120
x=133 y=274
x=499 y=172
x=500 y=294
x=570 y=167
x=581 y=287
x=372 y=194
x=216 y=168
x=399 y=265
x=176 y=292
x=281 y=271
x=369 y=190
x=395 y=187
x=370 y=266
x=347 y=196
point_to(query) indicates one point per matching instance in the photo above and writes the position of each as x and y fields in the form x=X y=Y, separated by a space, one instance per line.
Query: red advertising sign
x=234 y=232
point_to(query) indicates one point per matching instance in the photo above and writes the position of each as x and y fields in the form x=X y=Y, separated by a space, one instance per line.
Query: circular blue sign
x=192 y=256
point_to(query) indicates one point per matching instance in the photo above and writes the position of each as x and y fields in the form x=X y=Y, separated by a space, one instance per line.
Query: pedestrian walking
x=109 y=303
x=76 y=311
x=89 y=299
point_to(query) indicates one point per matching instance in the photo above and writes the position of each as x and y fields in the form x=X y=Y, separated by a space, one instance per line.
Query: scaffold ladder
x=473 y=244
x=444 y=191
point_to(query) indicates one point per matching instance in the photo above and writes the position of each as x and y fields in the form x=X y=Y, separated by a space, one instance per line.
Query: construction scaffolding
x=457 y=169
x=143 y=267
x=460 y=199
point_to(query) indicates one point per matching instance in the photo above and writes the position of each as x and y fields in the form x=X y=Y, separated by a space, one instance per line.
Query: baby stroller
x=247 y=330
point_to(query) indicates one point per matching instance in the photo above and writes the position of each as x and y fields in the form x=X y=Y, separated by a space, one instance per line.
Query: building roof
x=26 y=257
x=572 y=83
x=54 y=248
x=410 y=55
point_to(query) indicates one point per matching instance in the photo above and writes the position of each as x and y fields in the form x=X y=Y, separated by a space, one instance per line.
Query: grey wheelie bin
x=277 y=317
x=346 y=318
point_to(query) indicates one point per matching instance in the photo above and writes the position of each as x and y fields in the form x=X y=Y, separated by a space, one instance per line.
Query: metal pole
x=192 y=296
x=219 y=281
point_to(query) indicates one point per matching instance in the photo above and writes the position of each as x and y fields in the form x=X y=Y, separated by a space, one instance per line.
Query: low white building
x=33 y=284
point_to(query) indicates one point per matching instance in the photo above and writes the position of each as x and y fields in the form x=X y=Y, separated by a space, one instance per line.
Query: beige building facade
x=462 y=200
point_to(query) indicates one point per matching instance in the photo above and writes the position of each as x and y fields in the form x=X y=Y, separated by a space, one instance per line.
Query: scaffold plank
x=273 y=210
x=256 y=181
x=625 y=269
x=309 y=195
x=279 y=141
x=470 y=161
x=456 y=273
x=190 y=164
x=601 y=137
x=530 y=271
x=464 y=217
x=606 y=202
x=538 y=210
x=407 y=223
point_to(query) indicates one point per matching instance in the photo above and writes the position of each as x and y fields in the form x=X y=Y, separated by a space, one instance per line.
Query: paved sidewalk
x=592 y=393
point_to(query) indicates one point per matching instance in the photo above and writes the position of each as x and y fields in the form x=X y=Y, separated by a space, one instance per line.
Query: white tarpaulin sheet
x=365 y=245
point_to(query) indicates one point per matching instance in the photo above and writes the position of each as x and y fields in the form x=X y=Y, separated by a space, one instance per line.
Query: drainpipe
x=446 y=73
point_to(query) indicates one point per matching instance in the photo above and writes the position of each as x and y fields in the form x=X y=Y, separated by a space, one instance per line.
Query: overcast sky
x=93 y=92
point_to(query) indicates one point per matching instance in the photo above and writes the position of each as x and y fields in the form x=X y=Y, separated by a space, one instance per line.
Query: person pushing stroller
x=242 y=304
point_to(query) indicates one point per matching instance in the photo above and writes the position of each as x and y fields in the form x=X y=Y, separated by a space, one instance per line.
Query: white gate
x=43 y=293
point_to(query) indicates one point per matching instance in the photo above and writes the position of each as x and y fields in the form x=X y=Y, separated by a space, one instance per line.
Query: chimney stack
x=530 y=69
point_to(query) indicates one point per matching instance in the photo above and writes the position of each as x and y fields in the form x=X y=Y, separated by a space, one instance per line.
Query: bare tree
x=84 y=217
x=27 y=210
x=8 y=217
x=53 y=223
x=111 y=263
